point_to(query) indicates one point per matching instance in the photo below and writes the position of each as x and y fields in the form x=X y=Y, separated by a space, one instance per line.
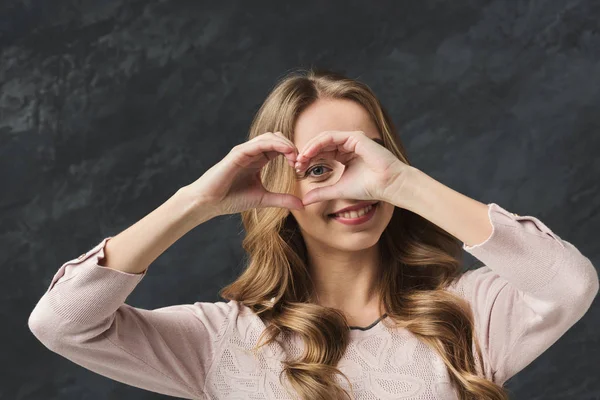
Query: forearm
x=461 y=216
x=135 y=248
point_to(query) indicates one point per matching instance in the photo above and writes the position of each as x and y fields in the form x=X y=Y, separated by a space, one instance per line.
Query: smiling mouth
x=354 y=214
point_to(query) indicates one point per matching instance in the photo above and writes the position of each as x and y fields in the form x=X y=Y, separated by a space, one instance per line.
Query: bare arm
x=135 y=248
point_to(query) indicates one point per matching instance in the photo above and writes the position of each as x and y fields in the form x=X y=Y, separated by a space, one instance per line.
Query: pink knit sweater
x=532 y=288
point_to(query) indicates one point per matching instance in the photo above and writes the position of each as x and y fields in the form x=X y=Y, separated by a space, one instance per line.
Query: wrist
x=404 y=191
x=196 y=208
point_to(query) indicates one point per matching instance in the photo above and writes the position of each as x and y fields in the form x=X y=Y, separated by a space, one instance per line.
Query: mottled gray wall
x=107 y=107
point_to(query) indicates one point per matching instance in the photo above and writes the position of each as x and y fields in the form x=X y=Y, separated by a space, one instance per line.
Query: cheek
x=309 y=184
x=297 y=190
x=389 y=210
x=305 y=186
x=302 y=187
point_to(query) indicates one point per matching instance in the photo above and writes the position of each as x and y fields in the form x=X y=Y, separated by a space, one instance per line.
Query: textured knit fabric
x=532 y=288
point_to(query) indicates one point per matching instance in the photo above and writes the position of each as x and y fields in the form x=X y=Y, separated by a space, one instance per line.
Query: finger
x=323 y=193
x=291 y=156
x=281 y=135
x=276 y=136
x=325 y=135
x=281 y=200
x=255 y=151
x=273 y=154
x=344 y=141
x=268 y=136
x=335 y=155
x=338 y=151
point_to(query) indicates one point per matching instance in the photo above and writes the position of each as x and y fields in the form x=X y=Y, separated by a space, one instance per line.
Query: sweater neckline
x=371 y=325
x=374 y=328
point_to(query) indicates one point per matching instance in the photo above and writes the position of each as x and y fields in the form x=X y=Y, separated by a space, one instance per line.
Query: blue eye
x=314 y=168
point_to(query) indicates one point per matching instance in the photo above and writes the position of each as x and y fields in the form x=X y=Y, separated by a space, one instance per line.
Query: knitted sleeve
x=533 y=287
x=83 y=317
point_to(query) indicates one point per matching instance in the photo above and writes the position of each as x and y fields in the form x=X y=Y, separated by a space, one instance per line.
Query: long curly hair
x=419 y=261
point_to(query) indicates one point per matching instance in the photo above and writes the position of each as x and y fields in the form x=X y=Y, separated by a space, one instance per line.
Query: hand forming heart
x=372 y=172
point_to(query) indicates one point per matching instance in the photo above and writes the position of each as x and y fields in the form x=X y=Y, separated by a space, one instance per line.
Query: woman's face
x=316 y=224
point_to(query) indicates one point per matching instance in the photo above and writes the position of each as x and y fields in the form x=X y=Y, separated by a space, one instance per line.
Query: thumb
x=321 y=194
x=282 y=200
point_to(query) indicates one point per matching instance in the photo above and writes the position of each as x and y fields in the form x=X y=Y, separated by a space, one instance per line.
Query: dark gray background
x=108 y=107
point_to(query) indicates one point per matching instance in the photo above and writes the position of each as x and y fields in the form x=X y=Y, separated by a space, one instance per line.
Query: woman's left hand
x=371 y=172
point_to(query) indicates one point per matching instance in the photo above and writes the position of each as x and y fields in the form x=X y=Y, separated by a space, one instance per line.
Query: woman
x=333 y=303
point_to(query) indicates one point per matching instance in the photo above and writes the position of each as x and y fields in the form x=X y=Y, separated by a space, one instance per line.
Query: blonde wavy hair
x=419 y=260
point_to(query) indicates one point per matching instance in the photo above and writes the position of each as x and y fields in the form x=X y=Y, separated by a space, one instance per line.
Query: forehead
x=332 y=115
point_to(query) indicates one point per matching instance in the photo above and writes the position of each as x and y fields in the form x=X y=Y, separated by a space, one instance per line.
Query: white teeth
x=355 y=213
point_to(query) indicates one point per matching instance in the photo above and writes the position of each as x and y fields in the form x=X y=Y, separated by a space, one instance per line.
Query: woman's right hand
x=233 y=185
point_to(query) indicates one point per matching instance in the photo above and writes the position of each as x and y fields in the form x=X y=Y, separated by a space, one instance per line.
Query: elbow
x=592 y=289
x=589 y=289
x=61 y=334
x=44 y=327
x=571 y=302
x=51 y=330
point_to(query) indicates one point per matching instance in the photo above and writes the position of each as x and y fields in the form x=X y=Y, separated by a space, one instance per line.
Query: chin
x=356 y=241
